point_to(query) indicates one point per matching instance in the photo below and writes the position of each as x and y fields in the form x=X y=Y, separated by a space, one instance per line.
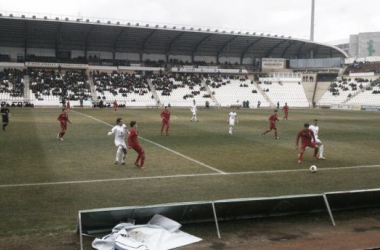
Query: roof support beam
x=287 y=47
x=170 y=45
x=316 y=51
x=223 y=47
x=197 y=46
x=300 y=49
x=116 y=41
x=87 y=40
x=269 y=52
x=57 y=38
x=247 y=48
x=145 y=42
x=25 y=40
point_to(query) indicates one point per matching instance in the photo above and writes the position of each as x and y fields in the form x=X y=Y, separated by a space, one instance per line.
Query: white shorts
x=232 y=122
x=318 y=141
x=120 y=143
x=194 y=113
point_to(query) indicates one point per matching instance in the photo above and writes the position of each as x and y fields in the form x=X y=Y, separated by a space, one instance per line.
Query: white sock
x=321 y=151
x=118 y=153
x=230 y=130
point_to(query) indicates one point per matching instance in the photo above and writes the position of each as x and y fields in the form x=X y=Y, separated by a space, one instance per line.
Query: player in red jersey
x=63 y=118
x=286 y=111
x=115 y=106
x=272 y=125
x=165 y=115
x=133 y=143
x=307 y=140
x=68 y=106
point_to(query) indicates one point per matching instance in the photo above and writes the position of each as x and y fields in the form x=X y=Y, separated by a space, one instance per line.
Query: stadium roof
x=91 y=35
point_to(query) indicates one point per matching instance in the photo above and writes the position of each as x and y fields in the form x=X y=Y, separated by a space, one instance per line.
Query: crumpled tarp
x=160 y=233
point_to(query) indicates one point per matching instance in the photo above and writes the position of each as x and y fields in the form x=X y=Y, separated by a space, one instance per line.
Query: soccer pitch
x=44 y=182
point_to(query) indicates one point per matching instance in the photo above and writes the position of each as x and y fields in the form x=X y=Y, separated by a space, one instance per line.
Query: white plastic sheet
x=160 y=233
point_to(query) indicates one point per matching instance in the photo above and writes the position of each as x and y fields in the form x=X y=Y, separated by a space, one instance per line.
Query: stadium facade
x=365 y=44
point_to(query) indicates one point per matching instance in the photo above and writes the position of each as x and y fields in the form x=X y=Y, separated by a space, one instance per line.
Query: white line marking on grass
x=181 y=176
x=159 y=145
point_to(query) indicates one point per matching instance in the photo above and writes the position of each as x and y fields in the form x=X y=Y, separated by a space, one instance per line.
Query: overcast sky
x=334 y=20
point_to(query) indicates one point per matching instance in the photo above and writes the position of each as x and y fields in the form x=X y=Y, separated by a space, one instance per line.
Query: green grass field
x=44 y=182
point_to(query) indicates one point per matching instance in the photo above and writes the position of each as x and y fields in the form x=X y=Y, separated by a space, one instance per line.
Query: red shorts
x=64 y=126
x=165 y=122
x=308 y=144
x=138 y=149
x=272 y=125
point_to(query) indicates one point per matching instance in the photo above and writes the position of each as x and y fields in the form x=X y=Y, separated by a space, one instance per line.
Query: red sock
x=300 y=156
x=162 y=129
x=142 y=161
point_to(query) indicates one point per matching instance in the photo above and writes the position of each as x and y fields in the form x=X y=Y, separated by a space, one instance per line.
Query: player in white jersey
x=315 y=128
x=194 y=110
x=120 y=130
x=232 y=117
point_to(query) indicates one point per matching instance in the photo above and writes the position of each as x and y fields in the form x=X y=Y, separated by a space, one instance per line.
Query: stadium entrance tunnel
x=99 y=222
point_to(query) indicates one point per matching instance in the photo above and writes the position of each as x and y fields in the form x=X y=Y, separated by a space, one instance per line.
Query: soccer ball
x=313 y=169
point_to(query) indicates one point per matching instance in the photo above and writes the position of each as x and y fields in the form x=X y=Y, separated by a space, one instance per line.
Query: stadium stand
x=289 y=92
x=181 y=90
x=49 y=88
x=369 y=95
x=232 y=91
x=12 y=85
x=340 y=91
x=131 y=90
x=360 y=67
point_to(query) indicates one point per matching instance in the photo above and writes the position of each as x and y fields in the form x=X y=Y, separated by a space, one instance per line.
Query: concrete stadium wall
x=77 y=53
x=12 y=52
x=41 y=52
x=207 y=59
x=154 y=57
x=231 y=60
x=127 y=56
x=183 y=58
x=101 y=54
